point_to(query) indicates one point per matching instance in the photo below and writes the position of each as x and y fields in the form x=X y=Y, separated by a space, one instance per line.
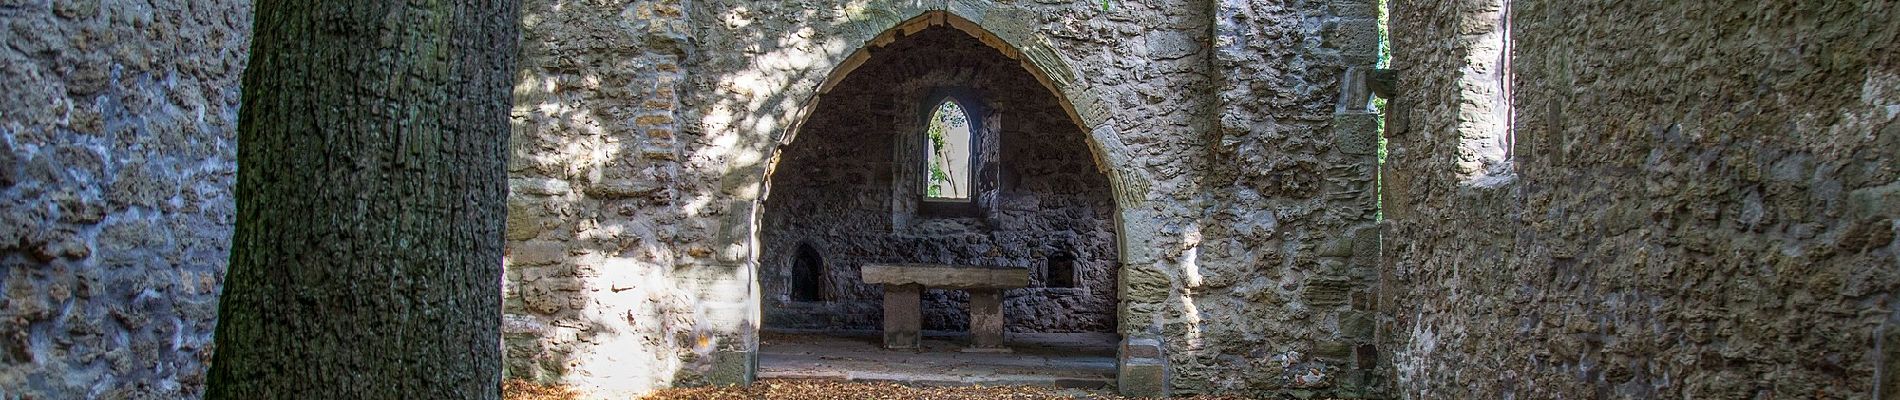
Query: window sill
x=948 y=209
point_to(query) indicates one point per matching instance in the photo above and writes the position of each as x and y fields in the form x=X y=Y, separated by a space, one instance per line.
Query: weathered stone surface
x=946 y=276
x=1356 y=133
x=620 y=189
x=1180 y=152
x=986 y=318
x=1245 y=203
x=1666 y=231
x=1046 y=199
x=1141 y=371
x=117 y=155
x=537 y=186
x=902 y=323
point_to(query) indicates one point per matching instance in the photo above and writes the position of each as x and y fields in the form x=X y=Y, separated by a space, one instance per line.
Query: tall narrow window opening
x=808 y=274
x=947 y=151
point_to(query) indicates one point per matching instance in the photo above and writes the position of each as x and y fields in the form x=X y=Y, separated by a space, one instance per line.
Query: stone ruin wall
x=641 y=136
x=1276 y=272
x=1706 y=211
x=1701 y=201
x=1241 y=178
x=117 y=160
x=836 y=183
x=590 y=294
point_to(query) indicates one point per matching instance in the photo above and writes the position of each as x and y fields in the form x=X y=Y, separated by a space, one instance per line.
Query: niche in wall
x=1060 y=272
x=808 y=274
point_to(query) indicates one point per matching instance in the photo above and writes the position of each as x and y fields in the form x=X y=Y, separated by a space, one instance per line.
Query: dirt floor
x=805 y=389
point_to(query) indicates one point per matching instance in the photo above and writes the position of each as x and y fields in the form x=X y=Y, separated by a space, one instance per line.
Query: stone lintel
x=946 y=276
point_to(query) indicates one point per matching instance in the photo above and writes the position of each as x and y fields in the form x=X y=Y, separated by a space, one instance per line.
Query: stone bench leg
x=903 y=321
x=986 y=320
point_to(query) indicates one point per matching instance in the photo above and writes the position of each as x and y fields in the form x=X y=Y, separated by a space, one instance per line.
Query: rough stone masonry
x=1661 y=200
x=117 y=158
x=1581 y=199
x=647 y=169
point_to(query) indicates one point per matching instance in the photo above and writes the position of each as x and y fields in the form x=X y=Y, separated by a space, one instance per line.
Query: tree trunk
x=371 y=189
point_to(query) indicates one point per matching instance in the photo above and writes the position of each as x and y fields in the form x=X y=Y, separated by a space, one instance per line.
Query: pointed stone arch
x=1037 y=57
x=1013 y=35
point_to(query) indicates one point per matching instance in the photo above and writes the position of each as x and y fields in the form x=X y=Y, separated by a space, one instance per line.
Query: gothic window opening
x=947 y=153
x=808 y=274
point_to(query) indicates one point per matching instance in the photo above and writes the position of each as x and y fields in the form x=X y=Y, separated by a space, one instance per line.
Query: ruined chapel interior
x=1332 y=199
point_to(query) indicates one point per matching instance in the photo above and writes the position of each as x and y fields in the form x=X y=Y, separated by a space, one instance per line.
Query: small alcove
x=808 y=274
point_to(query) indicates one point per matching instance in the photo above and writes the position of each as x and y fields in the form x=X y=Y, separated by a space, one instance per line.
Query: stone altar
x=904 y=284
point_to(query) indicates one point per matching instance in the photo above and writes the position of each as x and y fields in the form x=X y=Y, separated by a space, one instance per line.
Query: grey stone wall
x=117 y=159
x=645 y=133
x=837 y=183
x=1276 y=278
x=591 y=295
x=1238 y=163
x=1700 y=201
x=1657 y=200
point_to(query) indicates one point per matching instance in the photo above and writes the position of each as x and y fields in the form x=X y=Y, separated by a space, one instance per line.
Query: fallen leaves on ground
x=518 y=389
x=842 y=390
x=806 y=389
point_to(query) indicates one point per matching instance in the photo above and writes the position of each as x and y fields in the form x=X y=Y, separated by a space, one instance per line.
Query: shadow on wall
x=633 y=222
x=612 y=284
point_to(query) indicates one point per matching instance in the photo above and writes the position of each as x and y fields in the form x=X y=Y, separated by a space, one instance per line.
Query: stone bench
x=903 y=290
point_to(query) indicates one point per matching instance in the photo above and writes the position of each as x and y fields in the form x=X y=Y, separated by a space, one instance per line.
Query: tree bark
x=371 y=195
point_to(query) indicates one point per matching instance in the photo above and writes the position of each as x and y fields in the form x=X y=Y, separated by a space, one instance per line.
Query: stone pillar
x=1141 y=368
x=986 y=320
x=902 y=315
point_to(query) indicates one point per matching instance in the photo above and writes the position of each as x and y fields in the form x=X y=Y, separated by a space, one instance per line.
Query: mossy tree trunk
x=371 y=186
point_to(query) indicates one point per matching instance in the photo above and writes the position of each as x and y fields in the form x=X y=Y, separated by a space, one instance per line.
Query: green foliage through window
x=1379 y=106
x=947 y=164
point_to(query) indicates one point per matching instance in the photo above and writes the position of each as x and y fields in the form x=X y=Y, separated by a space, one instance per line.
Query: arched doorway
x=878 y=173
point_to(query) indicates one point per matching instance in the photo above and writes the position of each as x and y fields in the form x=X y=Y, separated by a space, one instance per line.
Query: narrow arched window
x=947 y=153
x=808 y=274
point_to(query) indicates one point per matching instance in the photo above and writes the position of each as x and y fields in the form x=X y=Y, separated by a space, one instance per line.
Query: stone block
x=1356 y=325
x=538 y=186
x=1355 y=92
x=1356 y=8
x=1365 y=243
x=622 y=189
x=1339 y=247
x=524 y=220
x=1168 y=45
x=1875 y=202
x=1356 y=39
x=1141 y=370
x=1356 y=133
x=1327 y=291
x=1333 y=351
x=1141 y=348
x=733 y=368
x=1144 y=283
x=903 y=320
x=1142 y=380
x=536 y=253
x=986 y=319
x=946 y=276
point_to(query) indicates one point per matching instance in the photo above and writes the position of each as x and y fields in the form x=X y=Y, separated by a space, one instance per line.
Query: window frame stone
x=978 y=113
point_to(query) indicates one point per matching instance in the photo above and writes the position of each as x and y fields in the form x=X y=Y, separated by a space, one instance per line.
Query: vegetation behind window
x=947 y=163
